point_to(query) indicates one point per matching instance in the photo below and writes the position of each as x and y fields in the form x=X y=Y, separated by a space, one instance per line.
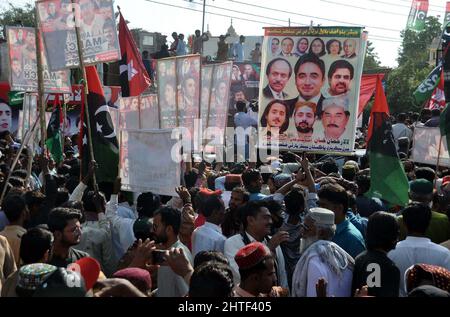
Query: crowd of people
x=297 y=225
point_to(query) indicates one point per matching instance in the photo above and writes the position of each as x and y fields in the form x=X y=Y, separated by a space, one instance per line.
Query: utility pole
x=203 y=20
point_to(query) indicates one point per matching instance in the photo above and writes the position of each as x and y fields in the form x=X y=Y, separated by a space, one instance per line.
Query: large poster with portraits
x=207 y=82
x=98 y=31
x=244 y=88
x=23 y=64
x=426 y=147
x=179 y=91
x=139 y=112
x=310 y=88
x=145 y=163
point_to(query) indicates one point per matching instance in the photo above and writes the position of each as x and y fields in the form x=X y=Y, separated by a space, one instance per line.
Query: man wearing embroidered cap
x=257 y=270
x=335 y=117
x=321 y=258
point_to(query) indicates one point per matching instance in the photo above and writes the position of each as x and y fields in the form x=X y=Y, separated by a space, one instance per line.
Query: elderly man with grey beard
x=321 y=258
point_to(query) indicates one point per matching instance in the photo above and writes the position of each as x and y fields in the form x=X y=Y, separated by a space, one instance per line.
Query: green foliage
x=12 y=15
x=371 y=61
x=413 y=67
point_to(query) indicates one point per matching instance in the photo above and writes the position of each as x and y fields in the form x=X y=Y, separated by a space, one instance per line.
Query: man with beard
x=278 y=72
x=304 y=118
x=335 y=117
x=257 y=222
x=321 y=258
x=232 y=223
x=65 y=225
x=340 y=76
x=166 y=224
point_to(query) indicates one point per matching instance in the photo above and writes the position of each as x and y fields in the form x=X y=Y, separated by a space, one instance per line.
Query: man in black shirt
x=65 y=225
x=372 y=267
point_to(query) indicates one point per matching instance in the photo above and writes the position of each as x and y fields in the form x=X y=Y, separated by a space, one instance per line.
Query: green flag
x=388 y=180
x=53 y=141
x=426 y=88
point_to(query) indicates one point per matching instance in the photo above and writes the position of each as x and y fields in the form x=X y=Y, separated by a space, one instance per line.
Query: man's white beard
x=305 y=243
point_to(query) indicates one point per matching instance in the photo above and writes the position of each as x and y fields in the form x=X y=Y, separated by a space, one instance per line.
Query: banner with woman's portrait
x=23 y=64
x=309 y=88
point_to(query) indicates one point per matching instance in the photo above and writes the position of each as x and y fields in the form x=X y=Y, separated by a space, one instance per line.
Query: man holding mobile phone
x=166 y=225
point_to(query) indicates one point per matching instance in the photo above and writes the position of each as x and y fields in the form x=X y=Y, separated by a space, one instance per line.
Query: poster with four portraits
x=23 y=64
x=98 y=32
x=309 y=88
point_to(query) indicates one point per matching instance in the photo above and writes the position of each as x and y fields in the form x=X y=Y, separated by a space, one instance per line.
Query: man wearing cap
x=257 y=270
x=304 y=118
x=335 y=117
x=257 y=223
x=321 y=258
x=421 y=191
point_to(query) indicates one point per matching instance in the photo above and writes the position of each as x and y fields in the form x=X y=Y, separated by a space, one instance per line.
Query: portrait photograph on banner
x=310 y=88
x=23 y=64
x=148 y=149
x=167 y=92
x=207 y=81
x=129 y=113
x=188 y=90
x=244 y=88
x=148 y=112
x=98 y=32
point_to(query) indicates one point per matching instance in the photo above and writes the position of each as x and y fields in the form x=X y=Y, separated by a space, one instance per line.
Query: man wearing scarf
x=321 y=258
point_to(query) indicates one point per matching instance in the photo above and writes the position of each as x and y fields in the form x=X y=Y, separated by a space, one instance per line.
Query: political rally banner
x=167 y=92
x=426 y=147
x=98 y=32
x=207 y=81
x=148 y=112
x=244 y=87
x=129 y=113
x=309 y=94
x=23 y=64
x=417 y=15
x=145 y=163
x=447 y=13
x=29 y=113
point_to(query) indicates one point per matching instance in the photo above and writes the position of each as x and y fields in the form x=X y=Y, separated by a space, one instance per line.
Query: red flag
x=437 y=100
x=134 y=78
x=380 y=105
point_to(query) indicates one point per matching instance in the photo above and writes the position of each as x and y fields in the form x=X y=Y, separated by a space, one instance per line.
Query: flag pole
x=40 y=97
x=86 y=89
x=438 y=159
x=25 y=140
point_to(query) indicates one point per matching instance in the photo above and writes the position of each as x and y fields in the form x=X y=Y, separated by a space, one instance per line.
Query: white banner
x=145 y=163
x=426 y=147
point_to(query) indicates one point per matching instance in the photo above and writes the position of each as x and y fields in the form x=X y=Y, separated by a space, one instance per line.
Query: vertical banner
x=29 y=112
x=167 y=92
x=207 y=81
x=150 y=150
x=426 y=147
x=23 y=64
x=219 y=99
x=148 y=112
x=417 y=15
x=129 y=113
x=188 y=91
x=310 y=102
x=97 y=29
x=244 y=87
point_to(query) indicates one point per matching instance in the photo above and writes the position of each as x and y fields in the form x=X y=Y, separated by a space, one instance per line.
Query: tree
x=412 y=67
x=17 y=16
x=371 y=61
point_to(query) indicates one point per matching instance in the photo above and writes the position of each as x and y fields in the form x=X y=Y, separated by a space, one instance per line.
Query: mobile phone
x=159 y=256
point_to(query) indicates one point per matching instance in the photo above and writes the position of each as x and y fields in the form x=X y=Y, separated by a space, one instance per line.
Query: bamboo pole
x=86 y=90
